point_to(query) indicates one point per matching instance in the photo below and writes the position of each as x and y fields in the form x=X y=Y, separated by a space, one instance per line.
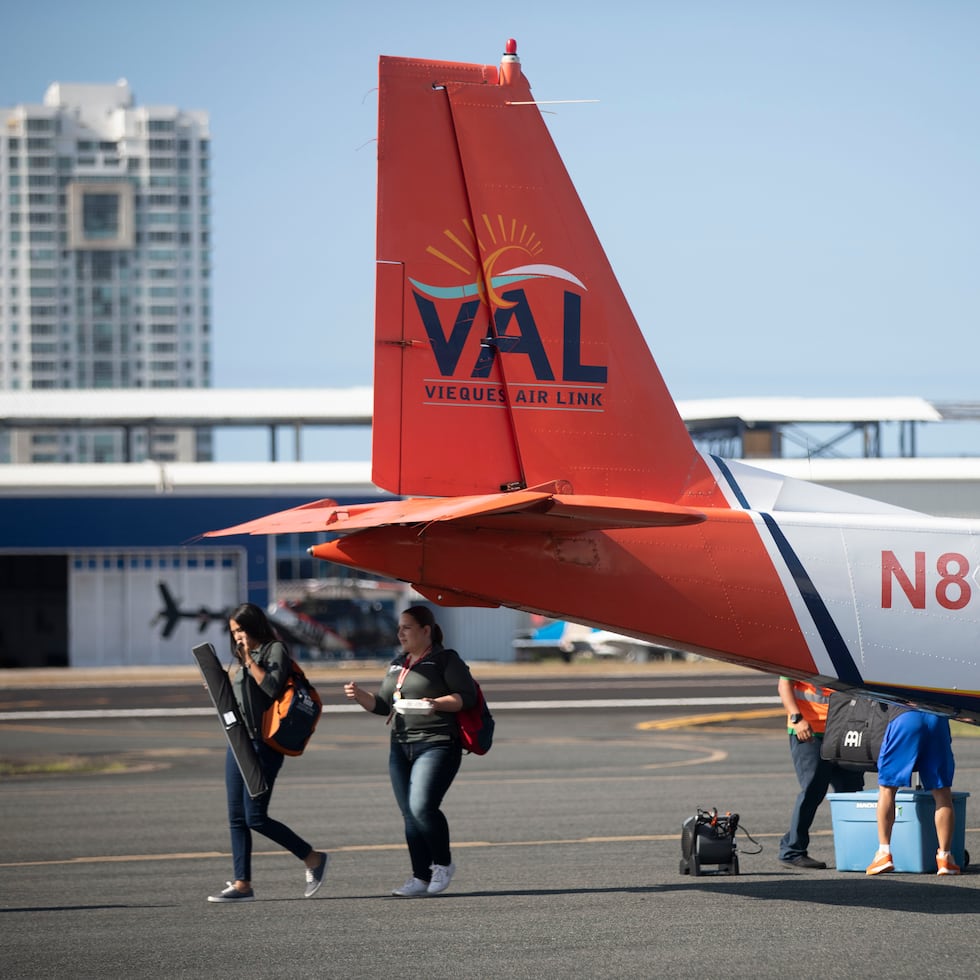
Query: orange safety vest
x=813 y=702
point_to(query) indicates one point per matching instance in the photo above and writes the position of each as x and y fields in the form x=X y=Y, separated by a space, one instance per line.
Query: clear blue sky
x=788 y=191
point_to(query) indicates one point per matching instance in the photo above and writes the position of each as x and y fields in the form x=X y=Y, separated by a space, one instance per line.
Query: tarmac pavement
x=566 y=838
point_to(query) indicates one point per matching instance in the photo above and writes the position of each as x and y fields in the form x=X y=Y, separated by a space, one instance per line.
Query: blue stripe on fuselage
x=829 y=633
x=832 y=640
x=735 y=488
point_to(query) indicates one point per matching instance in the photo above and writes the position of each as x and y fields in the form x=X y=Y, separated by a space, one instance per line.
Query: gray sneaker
x=314 y=876
x=232 y=894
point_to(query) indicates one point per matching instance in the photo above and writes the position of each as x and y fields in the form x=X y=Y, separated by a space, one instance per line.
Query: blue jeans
x=815 y=775
x=246 y=814
x=421 y=774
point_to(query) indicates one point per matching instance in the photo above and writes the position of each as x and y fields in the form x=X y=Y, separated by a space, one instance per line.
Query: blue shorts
x=916 y=742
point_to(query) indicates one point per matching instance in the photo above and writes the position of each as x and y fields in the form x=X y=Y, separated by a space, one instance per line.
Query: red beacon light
x=510 y=64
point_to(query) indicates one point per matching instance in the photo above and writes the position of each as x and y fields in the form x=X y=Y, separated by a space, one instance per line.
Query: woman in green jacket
x=263 y=669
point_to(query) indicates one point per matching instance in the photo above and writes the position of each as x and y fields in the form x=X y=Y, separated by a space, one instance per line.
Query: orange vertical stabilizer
x=502 y=334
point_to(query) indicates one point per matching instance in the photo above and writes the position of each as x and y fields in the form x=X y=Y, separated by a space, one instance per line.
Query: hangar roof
x=722 y=425
x=777 y=410
x=354 y=478
x=163 y=407
x=225 y=479
x=354 y=406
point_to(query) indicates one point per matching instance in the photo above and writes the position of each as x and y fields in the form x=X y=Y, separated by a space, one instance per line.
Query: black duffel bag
x=855 y=729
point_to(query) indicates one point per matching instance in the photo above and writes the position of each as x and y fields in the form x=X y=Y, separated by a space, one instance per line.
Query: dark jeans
x=246 y=814
x=421 y=774
x=816 y=775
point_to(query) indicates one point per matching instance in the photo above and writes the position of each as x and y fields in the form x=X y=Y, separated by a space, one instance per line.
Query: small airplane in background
x=519 y=410
x=172 y=614
x=293 y=625
x=303 y=630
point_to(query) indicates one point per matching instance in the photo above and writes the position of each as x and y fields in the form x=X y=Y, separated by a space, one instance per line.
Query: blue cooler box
x=855 y=822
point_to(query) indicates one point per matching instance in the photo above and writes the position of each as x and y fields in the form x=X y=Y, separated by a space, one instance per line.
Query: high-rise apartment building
x=105 y=261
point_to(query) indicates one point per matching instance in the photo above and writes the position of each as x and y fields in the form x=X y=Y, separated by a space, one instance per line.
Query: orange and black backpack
x=291 y=719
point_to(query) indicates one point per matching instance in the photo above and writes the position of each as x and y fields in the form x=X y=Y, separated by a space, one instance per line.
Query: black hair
x=424 y=617
x=254 y=622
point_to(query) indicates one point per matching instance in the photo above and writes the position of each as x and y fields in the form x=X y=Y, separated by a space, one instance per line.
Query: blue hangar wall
x=81 y=574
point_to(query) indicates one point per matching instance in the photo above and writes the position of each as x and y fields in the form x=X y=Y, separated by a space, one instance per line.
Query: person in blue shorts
x=916 y=741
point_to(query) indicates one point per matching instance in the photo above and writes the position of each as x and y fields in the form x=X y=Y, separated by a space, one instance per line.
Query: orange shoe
x=881 y=864
x=946 y=865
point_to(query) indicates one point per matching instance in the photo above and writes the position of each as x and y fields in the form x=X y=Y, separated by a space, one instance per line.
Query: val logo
x=512 y=253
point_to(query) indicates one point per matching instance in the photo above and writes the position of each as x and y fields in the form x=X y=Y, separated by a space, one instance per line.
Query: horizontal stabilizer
x=525 y=510
x=308 y=517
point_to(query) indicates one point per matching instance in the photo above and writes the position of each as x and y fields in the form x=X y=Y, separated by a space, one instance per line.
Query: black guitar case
x=219 y=687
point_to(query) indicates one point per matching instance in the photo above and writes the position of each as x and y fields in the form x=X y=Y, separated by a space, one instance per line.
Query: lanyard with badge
x=402 y=674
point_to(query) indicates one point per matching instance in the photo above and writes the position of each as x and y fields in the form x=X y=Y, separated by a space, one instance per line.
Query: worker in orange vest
x=806 y=710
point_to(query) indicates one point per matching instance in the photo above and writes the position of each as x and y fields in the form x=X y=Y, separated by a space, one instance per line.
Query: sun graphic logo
x=489 y=315
x=510 y=249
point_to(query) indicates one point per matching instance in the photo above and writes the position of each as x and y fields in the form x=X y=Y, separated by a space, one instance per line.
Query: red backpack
x=476 y=725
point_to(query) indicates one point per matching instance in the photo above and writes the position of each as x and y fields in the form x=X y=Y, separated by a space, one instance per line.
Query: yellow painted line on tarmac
x=349 y=849
x=960 y=729
x=691 y=721
x=400 y=846
x=964 y=729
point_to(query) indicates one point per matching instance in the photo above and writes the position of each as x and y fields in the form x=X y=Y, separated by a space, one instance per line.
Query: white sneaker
x=442 y=874
x=414 y=886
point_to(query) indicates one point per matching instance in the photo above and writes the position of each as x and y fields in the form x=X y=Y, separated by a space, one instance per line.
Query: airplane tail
x=501 y=330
